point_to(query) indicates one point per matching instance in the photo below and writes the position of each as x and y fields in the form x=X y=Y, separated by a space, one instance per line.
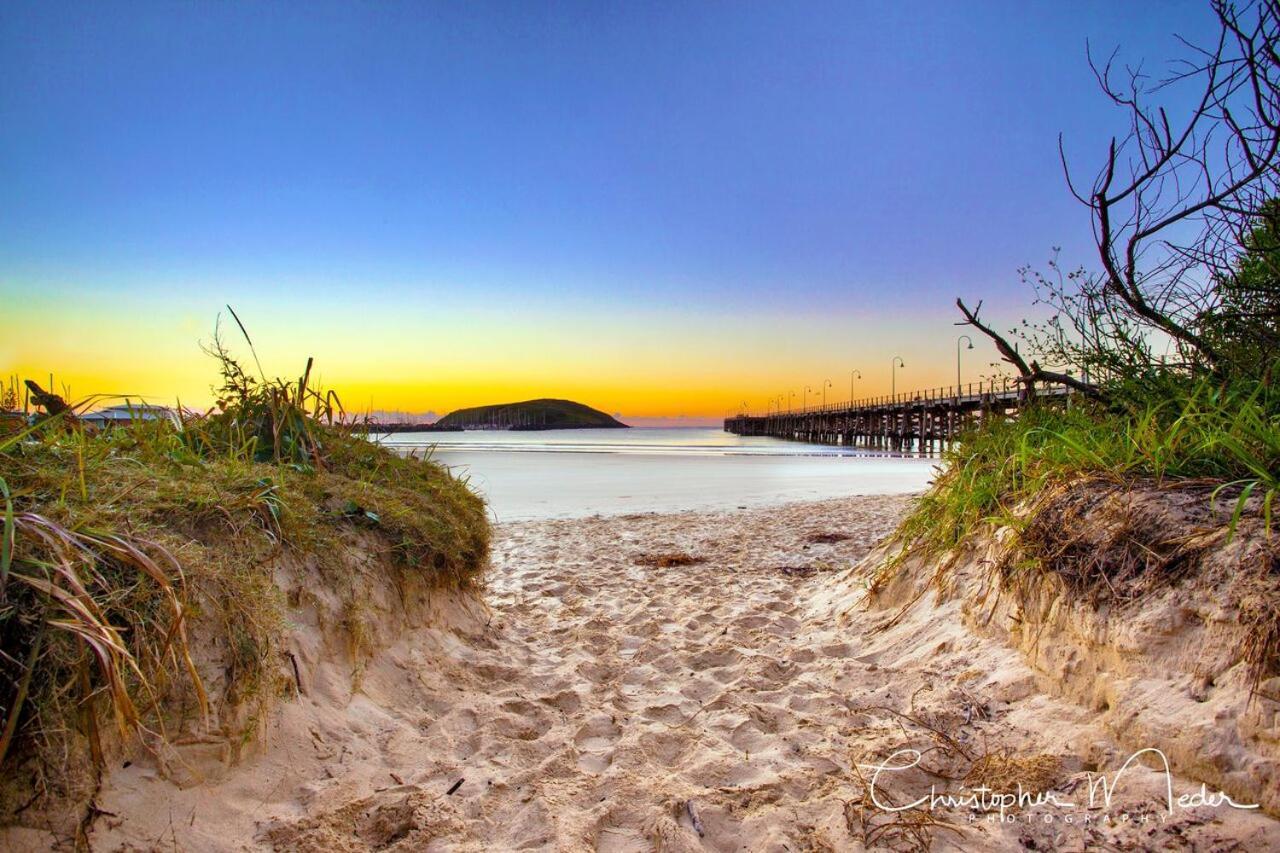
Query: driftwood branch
x=47 y=400
x=1028 y=374
x=1007 y=352
x=1038 y=374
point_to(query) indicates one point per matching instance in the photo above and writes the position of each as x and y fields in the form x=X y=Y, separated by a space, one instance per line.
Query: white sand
x=606 y=703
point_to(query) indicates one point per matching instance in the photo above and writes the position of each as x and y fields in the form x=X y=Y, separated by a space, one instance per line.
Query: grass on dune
x=115 y=542
x=1117 y=501
x=1229 y=435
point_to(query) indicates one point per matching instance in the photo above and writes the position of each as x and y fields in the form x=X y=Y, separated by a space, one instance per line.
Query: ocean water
x=575 y=473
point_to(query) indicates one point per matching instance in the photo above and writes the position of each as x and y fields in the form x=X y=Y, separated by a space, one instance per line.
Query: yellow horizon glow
x=655 y=363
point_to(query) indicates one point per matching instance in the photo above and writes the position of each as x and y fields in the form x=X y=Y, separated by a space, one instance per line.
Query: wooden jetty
x=912 y=422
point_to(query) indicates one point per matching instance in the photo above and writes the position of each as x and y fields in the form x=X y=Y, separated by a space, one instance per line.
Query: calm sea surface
x=573 y=473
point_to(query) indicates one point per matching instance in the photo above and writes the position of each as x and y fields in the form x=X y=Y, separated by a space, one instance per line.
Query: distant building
x=129 y=413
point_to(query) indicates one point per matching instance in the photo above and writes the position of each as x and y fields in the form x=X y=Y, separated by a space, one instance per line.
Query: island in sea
x=530 y=415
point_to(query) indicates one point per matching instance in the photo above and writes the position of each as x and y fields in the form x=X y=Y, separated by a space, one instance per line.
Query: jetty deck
x=914 y=421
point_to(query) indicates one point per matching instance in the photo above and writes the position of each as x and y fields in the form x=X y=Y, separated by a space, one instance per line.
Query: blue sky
x=566 y=166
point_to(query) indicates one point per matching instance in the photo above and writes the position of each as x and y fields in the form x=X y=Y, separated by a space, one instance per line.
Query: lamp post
x=807 y=390
x=790 y=394
x=851 y=375
x=893 y=375
x=826 y=383
x=958 y=340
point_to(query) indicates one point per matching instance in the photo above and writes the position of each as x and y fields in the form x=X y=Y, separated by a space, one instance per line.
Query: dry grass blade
x=1005 y=771
x=907 y=829
x=102 y=640
x=67 y=580
x=6 y=537
x=175 y=637
x=249 y=341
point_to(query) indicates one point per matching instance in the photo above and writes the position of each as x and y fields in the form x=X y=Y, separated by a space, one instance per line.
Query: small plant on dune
x=262 y=419
x=9 y=396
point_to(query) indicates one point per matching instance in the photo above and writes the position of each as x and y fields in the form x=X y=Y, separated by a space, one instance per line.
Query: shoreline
x=691 y=680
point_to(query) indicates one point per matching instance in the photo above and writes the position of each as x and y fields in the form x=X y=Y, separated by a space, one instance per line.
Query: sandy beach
x=614 y=695
x=640 y=427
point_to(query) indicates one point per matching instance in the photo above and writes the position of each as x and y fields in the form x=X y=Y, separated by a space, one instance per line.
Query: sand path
x=613 y=704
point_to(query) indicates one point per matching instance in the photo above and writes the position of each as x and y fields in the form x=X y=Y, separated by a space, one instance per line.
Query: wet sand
x=527 y=485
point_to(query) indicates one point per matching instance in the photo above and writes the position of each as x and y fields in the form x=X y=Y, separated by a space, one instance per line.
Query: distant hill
x=530 y=415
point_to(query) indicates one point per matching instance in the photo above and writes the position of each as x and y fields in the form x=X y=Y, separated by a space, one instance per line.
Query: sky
x=662 y=210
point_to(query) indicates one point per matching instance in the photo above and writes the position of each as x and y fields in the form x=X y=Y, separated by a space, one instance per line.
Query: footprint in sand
x=660 y=660
x=465 y=747
x=699 y=622
x=596 y=672
x=595 y=741
x=838 y=650
x=629 y=646
x=715 y=657
x=724 y=674
x=747 y=737
x=496 y=674
x=665 y=748
x=528 y=721
x=566 y=701
x=784 y=626
x=598 y=733
x=701 y=689
x=593 y=762
x=668 y=713
x=458 y=722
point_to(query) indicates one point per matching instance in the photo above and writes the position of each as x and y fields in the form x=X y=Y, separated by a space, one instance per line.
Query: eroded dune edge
x=722 y=681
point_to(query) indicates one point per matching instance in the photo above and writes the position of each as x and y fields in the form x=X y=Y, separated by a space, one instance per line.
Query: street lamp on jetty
x=958 y=340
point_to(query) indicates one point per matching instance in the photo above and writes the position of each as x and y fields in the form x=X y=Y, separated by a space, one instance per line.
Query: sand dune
x=612 y=698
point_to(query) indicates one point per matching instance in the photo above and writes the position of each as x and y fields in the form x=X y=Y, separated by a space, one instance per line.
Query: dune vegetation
x=120 y=543
x=1119 y=501
x=1173 y=349
x=1225 y=439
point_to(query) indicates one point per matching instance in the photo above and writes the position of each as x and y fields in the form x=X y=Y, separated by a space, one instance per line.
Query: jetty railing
x=912 y=421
